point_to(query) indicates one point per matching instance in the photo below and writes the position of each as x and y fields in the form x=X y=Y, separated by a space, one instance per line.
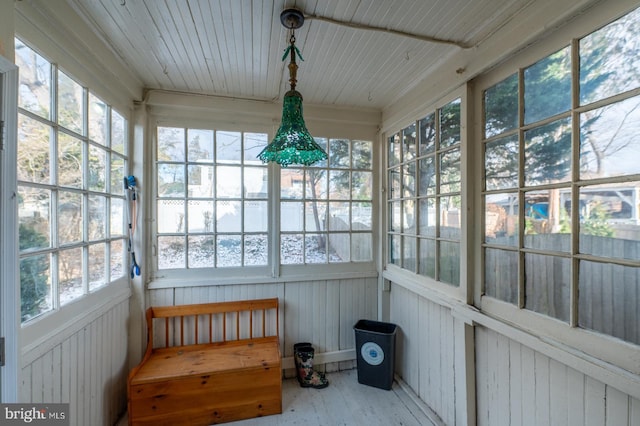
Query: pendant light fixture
x=292 y=144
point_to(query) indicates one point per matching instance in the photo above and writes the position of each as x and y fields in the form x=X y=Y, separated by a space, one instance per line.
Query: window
x=71 y=165
x=212 y=206
x=325 y=209
x=562 y=184
x=213 y=203
x=424 y=204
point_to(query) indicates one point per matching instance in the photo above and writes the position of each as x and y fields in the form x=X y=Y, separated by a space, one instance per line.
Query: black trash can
x=375 y=353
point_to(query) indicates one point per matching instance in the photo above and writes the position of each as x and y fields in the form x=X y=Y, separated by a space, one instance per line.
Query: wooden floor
x=345 y=402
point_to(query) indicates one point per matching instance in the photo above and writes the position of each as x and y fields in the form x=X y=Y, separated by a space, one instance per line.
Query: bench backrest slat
x=211 y=319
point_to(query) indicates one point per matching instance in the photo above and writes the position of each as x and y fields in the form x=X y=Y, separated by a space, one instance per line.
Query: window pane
x=409 y=180
x=35 y=80
x=361 y=185
x=35 y=286
x=547 y=153
x=229 y=250
x=409 y=143
x=394 y=149
x=116 y=220
x=395 y=216
x=34 y=146
x=315 y=217
x=171 y=252
x=427 y=208
x=228 y=182
x=97 y=217
x=395 y=252
x=97 y=169
x=361 y=152
x=361 y=216
x=315 y=248
x=291 y=249
x=117 y=259
x=69 y=161
x=34 y=206
x=608 y=59
x=70 y=103
x=316 y=184
x=501 y=219
x=200 y=181
x=450 y=220
x=608 y=299
x=228 y=147
x=228 y=216
x=450 y=124
x=394 y=183
x=547 y=285
x=607 y=217
x=339 y=185
x=361 y=247
x=170 y=144
x=547 y=86
x=427 y=171
x=256 y=216
x=427 y=134
x=69 y=217
x=202 y=250
x=449 y=263
x=171 y=180
x=291 y=183
x=200 y=214
x=501 y=107
x=427 y=258
x=256 y=182
x=200 y=145
x=118 y=133
x=339 y=219
x=254 y=143
x=450 y=171
x=609 y=144
x=409 y=216
x=339 y=156
x=98 y=117
x=70 y=275
x=291 y=216
x=501 y=275
x=171 y=216
x=547 y=222
x=409 y=255
x=256 y=250
x=501 y=163
x=117 y=174
x=97 y=271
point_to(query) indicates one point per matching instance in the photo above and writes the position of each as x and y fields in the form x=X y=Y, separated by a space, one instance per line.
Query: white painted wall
x=86 y=366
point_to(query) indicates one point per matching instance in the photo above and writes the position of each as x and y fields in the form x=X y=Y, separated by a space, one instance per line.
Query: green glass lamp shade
x=292 y=144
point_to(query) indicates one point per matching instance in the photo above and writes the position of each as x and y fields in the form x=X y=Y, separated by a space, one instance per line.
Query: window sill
x=47 y=331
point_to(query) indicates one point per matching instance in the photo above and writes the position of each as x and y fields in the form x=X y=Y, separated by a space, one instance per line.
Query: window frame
x=592 y=345
x=91 y=299
x=274 y=271
x=421 y=284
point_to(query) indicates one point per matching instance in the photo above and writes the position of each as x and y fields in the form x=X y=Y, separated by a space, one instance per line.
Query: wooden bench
x=207 y=364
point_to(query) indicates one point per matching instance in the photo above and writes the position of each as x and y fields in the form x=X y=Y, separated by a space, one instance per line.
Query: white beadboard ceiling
x=234 y=48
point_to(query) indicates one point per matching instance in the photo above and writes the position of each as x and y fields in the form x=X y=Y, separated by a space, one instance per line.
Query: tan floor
x=344 y=402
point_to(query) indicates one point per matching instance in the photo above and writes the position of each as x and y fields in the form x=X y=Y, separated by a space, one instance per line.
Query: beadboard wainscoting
x=322 y=312
x=85 y=366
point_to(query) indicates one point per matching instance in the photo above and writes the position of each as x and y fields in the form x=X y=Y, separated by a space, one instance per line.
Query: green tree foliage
x=34 y=287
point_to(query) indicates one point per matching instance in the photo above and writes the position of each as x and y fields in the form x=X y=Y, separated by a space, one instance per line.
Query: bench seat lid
x=185 y=361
